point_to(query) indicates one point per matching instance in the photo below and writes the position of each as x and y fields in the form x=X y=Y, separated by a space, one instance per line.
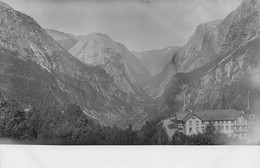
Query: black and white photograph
x=134 y=74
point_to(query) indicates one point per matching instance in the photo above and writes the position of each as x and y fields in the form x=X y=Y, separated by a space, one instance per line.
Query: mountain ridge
x=36 y=70
x=224 y=81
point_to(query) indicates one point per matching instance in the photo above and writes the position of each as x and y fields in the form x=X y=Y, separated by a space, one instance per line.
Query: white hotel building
x=230 y=122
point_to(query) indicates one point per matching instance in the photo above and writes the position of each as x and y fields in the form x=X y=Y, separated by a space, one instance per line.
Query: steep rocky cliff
x=36 y=70
x=199 y=50
x=100 y=50
x=155 y=87
x=219 y=77
x=136 y=68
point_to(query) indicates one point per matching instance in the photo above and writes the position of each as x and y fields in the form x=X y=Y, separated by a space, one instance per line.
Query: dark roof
x=181 y=115
x=187 y=117
x=211 y=115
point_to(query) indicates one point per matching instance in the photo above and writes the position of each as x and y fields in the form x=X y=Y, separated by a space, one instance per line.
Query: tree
x=180 y=139
x=74 y=110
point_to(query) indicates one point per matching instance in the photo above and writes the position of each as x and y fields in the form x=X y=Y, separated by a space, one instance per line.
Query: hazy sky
x=139 y=24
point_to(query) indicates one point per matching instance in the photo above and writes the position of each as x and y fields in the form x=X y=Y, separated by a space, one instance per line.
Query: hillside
x=139 y=72
x=100 y=50
x=35 y=70
x=219 y=80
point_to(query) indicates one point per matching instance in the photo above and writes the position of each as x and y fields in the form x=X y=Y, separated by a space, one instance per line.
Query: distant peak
x=249 y=4
x=98 y=34
x=4 y=5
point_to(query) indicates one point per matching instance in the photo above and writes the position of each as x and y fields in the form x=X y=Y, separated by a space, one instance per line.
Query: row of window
x=220 y=122
x=241 y=128
x=241 y=121
x=190 y=123
x=226 y=127
x=221 y=128
x=190 y=129
x=216 y=122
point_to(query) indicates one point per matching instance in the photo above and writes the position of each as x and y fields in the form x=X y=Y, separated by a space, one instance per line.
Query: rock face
x=213 y=70
x=134 y=65
x=155 y=60
x=199 y=50
x=156 y=86
x=137 y=71
x=100 y=50
x=67 y=41
x=36 y=70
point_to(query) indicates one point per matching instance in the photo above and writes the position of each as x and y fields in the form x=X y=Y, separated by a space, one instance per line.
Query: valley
x=140 y=92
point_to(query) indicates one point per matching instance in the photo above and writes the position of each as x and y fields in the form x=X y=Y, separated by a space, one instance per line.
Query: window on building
x=226 y=127
x=251 y=116
x=190 y=123
x=197 y=123
x=190 y=129
x=197 y=129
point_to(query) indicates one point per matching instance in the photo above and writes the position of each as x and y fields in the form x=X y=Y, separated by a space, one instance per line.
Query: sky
x=139 y=24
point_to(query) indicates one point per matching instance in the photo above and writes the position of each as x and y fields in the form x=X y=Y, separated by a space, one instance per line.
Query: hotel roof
x=211 y=115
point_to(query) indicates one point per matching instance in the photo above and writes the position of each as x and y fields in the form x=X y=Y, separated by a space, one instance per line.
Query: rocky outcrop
x=36 y=70
x=212 y=41
x=136 y=70
x=100 y=50
x=200 y=49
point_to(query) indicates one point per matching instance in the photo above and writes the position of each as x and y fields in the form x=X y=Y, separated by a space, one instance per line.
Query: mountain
x=138 y=71
x=214 y=70
x=100 y=50
x=156 y=86
x=198 y=51
x=155 y=60
x=67 y=41
x=35 y=70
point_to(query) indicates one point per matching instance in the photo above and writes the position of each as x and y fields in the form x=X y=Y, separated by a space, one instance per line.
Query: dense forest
x=47 y=126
